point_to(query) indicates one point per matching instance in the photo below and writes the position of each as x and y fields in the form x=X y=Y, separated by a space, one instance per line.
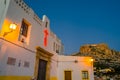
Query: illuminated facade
x=75 y=68
x=28 y=48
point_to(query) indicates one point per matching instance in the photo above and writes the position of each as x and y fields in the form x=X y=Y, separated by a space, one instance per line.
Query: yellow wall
x=15 y=77
x=53 y=78
x=5 y=28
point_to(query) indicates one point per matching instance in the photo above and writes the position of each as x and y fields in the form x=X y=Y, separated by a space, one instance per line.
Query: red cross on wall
x=45 y=37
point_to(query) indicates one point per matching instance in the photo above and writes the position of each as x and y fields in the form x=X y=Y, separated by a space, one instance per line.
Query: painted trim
x=15 y=77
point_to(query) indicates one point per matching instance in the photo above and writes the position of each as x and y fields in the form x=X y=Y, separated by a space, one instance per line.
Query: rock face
x=101 y=53
x=98 y=51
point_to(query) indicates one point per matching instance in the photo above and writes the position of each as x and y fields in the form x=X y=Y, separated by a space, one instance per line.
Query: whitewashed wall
x=16 y=13
x=21 y=55
x=68 y=63
x=17 y=10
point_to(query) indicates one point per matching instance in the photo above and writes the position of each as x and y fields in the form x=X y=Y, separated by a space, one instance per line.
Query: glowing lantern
x=91 y=60
x=12 y=26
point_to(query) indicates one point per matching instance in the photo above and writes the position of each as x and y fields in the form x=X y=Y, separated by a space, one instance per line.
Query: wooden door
x=42 y=70
x=68 y=75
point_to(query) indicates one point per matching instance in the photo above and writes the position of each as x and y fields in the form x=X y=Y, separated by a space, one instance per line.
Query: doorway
x=68 y=75
x=42 y=64
x=42 y=70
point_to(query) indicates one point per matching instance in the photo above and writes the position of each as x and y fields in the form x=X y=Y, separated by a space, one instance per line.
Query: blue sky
x=80 y=22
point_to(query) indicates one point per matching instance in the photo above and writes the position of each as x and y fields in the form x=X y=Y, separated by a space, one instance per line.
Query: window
x=5 y=2
x=54 y=46
x=24 y=36
x=58 y=49
x=46 y=24
x=11 y=61
x=68 y=75
x=24 y=28
x=85 y=75
x=26 y=64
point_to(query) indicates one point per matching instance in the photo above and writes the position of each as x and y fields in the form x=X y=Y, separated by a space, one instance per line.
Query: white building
x=78 y=68
x=28 y=48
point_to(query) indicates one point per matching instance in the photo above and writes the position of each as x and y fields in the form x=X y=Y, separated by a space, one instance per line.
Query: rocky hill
x=103 y=56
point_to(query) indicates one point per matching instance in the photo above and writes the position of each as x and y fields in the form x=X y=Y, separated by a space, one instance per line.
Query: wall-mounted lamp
x=12 y=27
x=91 y=60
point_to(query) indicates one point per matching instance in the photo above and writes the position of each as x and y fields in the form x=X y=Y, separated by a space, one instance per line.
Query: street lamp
x=91 y=60
x=12 y=27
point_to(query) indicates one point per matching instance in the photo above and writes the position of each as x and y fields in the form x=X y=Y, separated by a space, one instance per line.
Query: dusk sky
x=80 y=22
